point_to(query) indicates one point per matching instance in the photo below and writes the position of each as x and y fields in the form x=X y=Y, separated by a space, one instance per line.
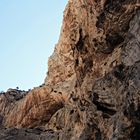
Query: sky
x=29 y=30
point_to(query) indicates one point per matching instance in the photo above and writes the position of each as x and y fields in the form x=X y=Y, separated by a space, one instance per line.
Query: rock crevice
x=92 y=88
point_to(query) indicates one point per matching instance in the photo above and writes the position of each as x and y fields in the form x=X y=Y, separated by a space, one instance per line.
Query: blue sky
x=29 y=30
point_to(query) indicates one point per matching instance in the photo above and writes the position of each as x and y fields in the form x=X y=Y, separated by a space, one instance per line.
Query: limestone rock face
x=30 y=110
x=92 y=88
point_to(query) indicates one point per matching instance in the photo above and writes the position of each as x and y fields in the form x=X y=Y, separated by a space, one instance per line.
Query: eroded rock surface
x=92 y=89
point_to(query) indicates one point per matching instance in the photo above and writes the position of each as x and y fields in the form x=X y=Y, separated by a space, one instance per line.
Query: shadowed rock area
x=92 y=88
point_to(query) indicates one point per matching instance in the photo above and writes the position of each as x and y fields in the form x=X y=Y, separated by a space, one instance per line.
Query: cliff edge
x=92 y=88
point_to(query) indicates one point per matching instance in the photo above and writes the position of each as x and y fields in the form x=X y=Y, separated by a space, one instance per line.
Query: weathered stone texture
x=92 y=88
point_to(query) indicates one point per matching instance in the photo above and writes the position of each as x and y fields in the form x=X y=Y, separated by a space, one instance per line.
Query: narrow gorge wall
x=92 y=88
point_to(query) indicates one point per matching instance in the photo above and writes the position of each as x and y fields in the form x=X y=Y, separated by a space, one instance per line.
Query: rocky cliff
x=92 y=88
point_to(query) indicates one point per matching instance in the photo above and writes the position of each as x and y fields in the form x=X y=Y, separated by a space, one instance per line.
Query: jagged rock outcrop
x=30 y=110
x=92 y=89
